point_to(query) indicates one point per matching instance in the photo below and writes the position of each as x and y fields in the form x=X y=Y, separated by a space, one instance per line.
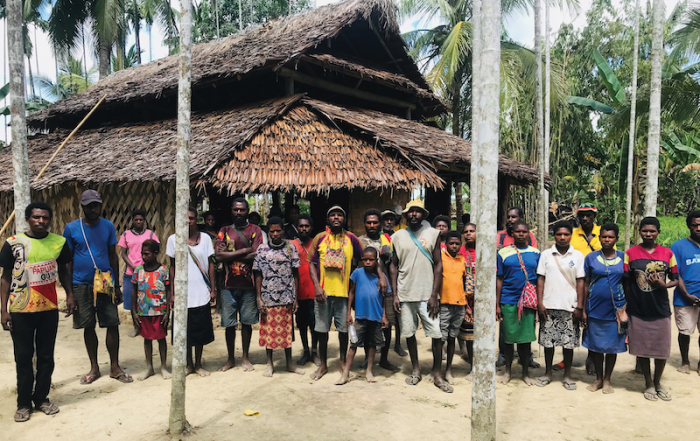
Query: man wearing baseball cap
x=586 y=237
x=92 y=240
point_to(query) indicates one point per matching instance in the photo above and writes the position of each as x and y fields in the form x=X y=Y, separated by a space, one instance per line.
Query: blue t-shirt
x=368 y=298
x=688 y=258
x=508 y=266
x=600 y=298
x=100 y=237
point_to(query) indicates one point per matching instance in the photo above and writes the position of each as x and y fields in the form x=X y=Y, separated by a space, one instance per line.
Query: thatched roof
x=289 y=143
x=277 y=43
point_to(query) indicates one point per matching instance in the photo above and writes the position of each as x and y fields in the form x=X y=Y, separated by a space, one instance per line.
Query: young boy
x=453 y=299
x=370 y=316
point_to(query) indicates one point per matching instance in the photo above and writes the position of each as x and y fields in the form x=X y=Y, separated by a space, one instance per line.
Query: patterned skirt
x=277 y=328
x=559 y=330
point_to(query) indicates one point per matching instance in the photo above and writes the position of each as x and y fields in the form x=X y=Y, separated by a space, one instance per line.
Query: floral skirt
x=559 y=330
x=277 y=328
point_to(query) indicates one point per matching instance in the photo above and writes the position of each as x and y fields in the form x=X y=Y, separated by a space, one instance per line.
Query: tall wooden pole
x=476 y=72
x=633 y=116
x=540 y=147
x=18 y=117
x=486 y=161
x=657 y=57
x=544 y=195
x=178 y=422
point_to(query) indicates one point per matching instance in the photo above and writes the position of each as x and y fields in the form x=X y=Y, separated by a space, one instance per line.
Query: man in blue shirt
x=686 y=298
x=92 y=240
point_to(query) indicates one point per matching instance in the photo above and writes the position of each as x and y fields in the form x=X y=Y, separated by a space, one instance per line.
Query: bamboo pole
x=58 y=150
x=178 y=422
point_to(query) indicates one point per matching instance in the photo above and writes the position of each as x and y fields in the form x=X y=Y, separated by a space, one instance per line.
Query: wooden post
x=542 y=192
x=476 y=81
x=178 y=422
x=483 y=426
x=18 y=116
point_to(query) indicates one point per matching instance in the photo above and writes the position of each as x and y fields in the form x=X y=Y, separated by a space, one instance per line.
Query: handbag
x=620 y=313
x=470 y=279
x=102 y=282
x=334 y=258
x=528 y=297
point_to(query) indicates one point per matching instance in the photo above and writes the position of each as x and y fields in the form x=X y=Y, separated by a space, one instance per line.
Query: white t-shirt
x=197 y=290
x=558 y=292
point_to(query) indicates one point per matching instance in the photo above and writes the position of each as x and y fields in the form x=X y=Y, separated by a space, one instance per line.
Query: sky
x=520 y=27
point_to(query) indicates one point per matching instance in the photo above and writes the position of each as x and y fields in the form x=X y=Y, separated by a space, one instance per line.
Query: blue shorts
x=239 y=304
x=336 y=309
x=127 y=288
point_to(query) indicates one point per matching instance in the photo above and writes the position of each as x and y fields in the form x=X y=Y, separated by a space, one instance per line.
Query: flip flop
x=663 y=395
x=412 y=380
x=569 y=385
x=123 y=377
x=558 y=367
x=49 y=408
x=651 y=396
x=543 y=381
x=89 y=379
x=444 y=386
x=23 y=415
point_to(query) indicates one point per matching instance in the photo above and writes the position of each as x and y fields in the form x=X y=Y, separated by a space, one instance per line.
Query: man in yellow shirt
x=586 y=238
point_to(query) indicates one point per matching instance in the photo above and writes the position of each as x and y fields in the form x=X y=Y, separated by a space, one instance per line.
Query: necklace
x=277 y=247
x=135 y=233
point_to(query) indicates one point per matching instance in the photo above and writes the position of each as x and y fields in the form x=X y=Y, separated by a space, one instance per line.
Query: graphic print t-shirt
x=643 y=300
x=151 y=295
x=34 y=266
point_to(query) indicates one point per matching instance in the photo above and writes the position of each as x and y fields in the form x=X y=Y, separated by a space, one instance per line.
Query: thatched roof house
x=317 y=104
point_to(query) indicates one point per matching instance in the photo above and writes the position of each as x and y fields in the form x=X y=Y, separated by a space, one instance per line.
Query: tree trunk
x=104 y=53
x=18 y=117
x=544 y=194
x=633 y=115
x=137 y=41
x=178 y=422
x=240 y=15
x=266 y=207
x=476 y=81
x=486 y=171
x=36 y=57
x=31 y=80
x=459 y=205
x=657 y=56
x=540 y=147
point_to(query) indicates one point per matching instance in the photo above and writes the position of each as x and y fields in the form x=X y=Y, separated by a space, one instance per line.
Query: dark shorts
x=200 y=330
x=84 y=317
x=127 y=287
x=305 y=314
x=239 y=304
x=369 y=334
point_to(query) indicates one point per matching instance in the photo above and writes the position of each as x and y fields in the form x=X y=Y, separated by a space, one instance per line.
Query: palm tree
x=657 y=48
x=70 y=80
x=632 y=134
x=134 y=15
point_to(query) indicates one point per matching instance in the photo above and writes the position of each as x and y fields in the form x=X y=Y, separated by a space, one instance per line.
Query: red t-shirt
x=504 y=240
x=306 y=286
x=239 y=274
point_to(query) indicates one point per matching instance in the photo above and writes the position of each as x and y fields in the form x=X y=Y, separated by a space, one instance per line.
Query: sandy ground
x=294 y=407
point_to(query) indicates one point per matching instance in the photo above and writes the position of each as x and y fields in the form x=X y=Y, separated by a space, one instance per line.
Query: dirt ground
x=294 y=407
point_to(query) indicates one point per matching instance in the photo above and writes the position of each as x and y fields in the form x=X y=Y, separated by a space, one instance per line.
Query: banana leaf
x=587 y=102
x=609 y=79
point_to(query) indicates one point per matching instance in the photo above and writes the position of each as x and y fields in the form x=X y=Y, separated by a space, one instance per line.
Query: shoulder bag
x=420 y=246
x=102 y=282
x=204 y=274
x=334 y=258
x=528 y=297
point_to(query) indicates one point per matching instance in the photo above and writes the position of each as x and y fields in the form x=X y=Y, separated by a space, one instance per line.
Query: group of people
x=392 y=276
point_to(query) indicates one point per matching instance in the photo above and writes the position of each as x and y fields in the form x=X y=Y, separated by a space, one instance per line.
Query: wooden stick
x=38 y=176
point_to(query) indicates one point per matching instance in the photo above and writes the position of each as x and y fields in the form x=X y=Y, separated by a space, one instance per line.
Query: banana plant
x=684 y=152
x=615 y=89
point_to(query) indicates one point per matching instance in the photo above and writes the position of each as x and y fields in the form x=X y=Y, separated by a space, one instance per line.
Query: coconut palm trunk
x=486 y=170
x=657 y=55
x=540 y=147
x=178 y=422
x=476 y=81
x=18 y=120
x=633 y=115
x=544 y=194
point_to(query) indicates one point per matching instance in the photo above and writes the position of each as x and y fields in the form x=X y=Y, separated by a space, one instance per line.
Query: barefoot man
x=201 y=295
x=30 y=262
x=93 y=242
x=236 y=247
x=416 y=277
x=305 y=295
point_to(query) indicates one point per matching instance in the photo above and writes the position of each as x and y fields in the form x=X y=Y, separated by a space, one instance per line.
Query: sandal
x=49 y=408
x=569 y=385
x=23 y=415
x=444 y=386
x=123 y=377
x=651 y=395
x=663 y=395
x=89 y=379
x=412 y=380
x=543 y=381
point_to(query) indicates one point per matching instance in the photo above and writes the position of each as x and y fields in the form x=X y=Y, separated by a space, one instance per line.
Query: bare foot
x=230 y=364
x=317 y=361
x=320 y=372
x=149 y=373
x=505 y=378
x=529 y=381
x=399 y=350
x=133 y=333
x=247 y=366
x=370 y=377
x=165 y=373
x=189 y=370
x=596 y=386
x=344 y=378
x=202 y=372
x=684 y=369
x=269 y=370
x=449 y=378
x=388 y=366
x=295 y=370
x=607 y=388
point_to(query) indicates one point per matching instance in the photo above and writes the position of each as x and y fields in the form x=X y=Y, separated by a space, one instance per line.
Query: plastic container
x=353 y=334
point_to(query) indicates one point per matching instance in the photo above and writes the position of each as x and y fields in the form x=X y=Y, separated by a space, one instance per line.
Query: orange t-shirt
x=453 y=272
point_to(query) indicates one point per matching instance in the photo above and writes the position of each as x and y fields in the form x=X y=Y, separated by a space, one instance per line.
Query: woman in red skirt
x=150 y=305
